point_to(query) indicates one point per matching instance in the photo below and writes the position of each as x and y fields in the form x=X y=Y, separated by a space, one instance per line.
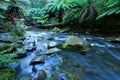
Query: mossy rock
x=7 y=73
x=57 y=76
x=70 y=75
x=25 y=77
x=76 y=44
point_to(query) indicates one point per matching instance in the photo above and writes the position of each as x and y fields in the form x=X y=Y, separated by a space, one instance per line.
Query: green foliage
x=56 y=5
x=71 y=76
x=110 y=7
x=7 y=73
x=6 y=54
x=19 y=29
x=68 y=74
x=84 y=10
x=7 y=58
x=83 y=13
x=41 y=19
x=6 y=26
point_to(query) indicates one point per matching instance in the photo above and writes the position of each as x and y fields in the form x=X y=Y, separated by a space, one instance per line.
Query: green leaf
x=1 y=16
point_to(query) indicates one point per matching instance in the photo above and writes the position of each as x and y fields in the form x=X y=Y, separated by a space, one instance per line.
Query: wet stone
x=41 y=46
x=76 y=44
x=38 y=59
x=40 y=75
x=52 y=50
x=21 y=52
x=25 y=77
x=52 y=44
x=29 y=46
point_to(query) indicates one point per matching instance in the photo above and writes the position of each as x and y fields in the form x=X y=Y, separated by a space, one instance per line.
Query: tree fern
x=111 y=7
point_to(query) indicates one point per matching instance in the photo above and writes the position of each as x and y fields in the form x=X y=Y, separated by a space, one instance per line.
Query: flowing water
x=101 y=63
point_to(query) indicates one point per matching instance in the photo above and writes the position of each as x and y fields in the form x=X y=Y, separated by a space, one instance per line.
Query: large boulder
x=76 y=44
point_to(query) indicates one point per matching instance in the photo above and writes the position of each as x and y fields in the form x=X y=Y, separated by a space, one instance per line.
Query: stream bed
x=102 y=62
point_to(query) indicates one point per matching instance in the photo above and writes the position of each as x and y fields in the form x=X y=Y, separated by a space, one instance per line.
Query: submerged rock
x=41 y=46
x=114 y=40
x=52 y=44
x=38 y=59
x=40 y=75
x=25 y=77
x=76 y=44
x=51 y=38
x=21 y=52
x=29 y=46
x=64 y=75
x=52 y=50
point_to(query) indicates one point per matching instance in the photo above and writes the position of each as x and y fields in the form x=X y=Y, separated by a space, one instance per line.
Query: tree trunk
x=48 y=26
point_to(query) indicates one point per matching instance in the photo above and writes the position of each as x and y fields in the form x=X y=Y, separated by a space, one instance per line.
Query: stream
x=100 y=63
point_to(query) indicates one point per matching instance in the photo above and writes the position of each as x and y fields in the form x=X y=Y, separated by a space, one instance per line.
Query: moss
x=4 y=46
x=25 y=77
x=71 y=76
x=76 y=44
x=56 y=29
x=52 y=77
x=68 y=74
x=7 y=73
x=8 y=50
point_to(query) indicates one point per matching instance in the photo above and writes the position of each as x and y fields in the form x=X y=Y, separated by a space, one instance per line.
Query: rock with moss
x=76 y=44
x=62 y=75
x=38 y=59
x=25 y=77
x=70 y=75
x=40 y=75
x=7 y=73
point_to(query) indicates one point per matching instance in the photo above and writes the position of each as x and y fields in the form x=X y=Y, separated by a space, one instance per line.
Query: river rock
x=21 y=52
x=40 y=75
x=57 y=75
x=29 y=46
x=52 y=44
x=76 y=44
x=115 y=40
x=25 y=77
x=38 y=59
x=41 y=46
x=51 y=38
x=52 y=50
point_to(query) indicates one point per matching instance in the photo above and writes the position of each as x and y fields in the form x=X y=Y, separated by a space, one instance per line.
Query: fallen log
x=48 y=26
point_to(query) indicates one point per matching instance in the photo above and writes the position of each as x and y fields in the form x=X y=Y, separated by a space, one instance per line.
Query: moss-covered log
x=48 y=26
